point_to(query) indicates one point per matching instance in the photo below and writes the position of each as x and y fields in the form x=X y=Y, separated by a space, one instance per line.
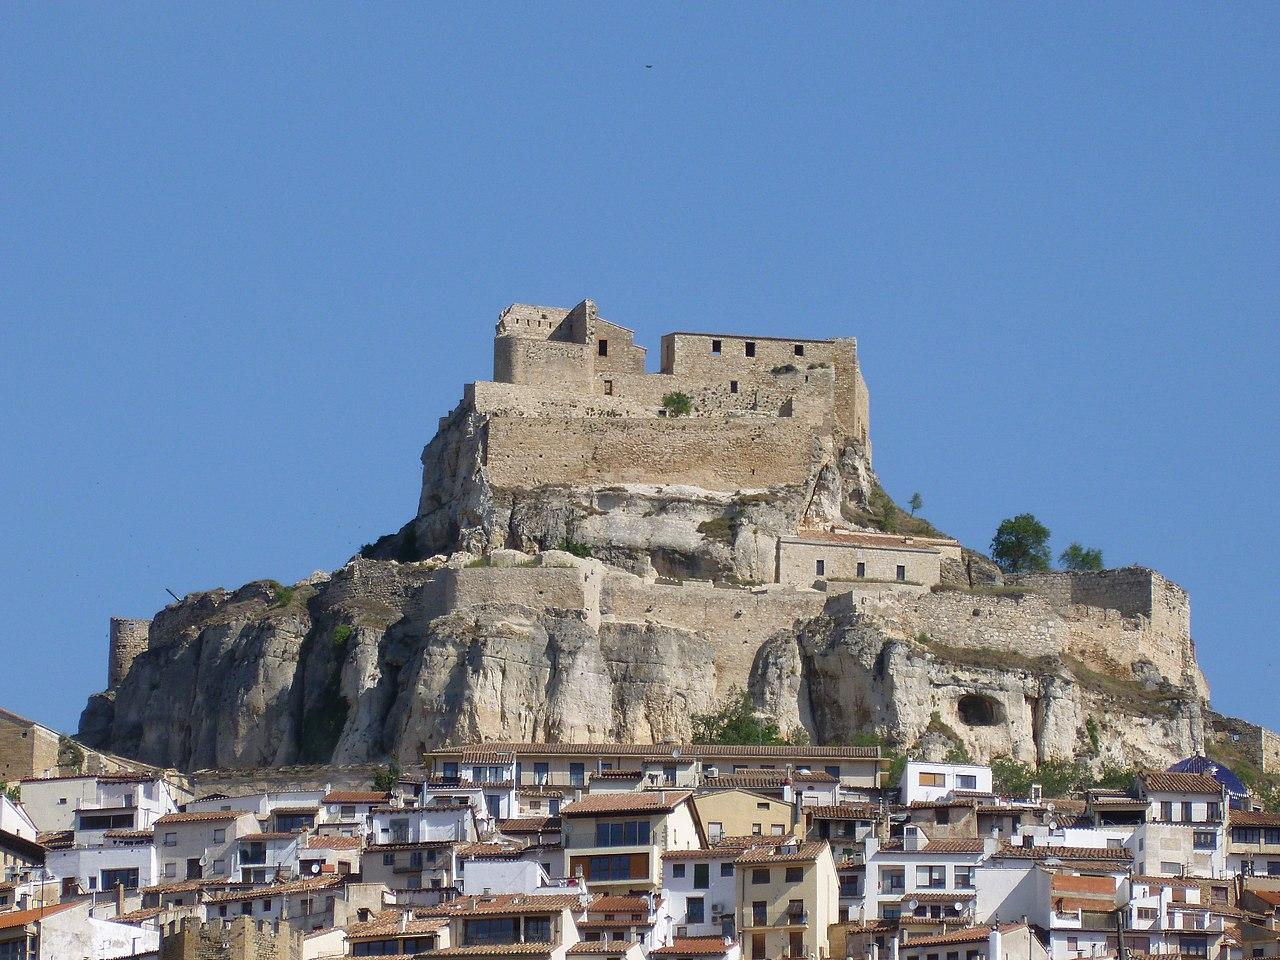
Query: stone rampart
x=1260 y=745
x=128 y=639
x=734 y=621
x=718 y=454
x=1023 y=624
x=564 y=588
x=1030 y=625
x=1125 y=615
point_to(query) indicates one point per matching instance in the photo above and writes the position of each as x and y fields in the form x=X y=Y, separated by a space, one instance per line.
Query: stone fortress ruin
x=592 y=561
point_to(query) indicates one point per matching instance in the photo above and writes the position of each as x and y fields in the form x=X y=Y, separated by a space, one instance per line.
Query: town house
x=615 y=840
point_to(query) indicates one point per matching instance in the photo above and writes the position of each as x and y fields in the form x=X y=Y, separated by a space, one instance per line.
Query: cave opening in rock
x=978 y=711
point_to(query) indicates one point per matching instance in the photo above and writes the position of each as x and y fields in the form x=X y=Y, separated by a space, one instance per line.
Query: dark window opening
x=977 y=711
x=602 y=346
x=862 y=570
x=822 y=568
x=733 y=386
x=608 y=388
x=799 y=349
x=751 y=348
x=901 y=573
x=715 y=346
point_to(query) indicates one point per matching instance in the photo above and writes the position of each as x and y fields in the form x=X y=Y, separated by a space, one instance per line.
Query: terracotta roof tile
x=356 y=796
x=783 y=853
x=655 y=801
x=881 y=541
x=388 y=922
x=530 y=825
x=279 y=889
x=496 y=951
x=1112 y=854
x=598 y=948
x=334 y=842
x=199 y=816
x=967 y=935
x=20 y=918
x=687 y=750
x=940 y=845
x=843 y=811
x=617 y=903
x=756 y=779
x=1151 y=880
x=693 y=947
x=1168 y=782
x=1253 y=818
x=509 y=904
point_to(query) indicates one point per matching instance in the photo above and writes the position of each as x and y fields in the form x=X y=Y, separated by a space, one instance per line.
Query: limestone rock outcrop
x=598 y=554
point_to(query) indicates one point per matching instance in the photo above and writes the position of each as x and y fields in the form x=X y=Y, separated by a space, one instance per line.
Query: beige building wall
x=741 y=813
x=798 y=562
x=26 y=748
x=676 y=830
x=817 y=890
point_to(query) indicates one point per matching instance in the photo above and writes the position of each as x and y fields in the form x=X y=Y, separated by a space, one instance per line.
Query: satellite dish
x=315 y=867
x=1053 y=824
x=958 y=907
x=913 y=903
x=1049 y=806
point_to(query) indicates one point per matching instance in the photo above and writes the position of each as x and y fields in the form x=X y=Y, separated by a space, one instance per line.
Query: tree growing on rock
x=1021 y=545
x=916 y=503
x=1079 y=557
x=735 y=722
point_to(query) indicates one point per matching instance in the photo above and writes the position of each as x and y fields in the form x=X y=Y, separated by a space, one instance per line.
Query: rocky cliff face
x=468 y=624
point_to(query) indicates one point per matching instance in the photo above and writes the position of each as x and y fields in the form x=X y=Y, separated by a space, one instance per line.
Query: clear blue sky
x=249 y=256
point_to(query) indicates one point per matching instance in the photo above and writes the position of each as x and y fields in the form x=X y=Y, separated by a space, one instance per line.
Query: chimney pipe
x=119 y=899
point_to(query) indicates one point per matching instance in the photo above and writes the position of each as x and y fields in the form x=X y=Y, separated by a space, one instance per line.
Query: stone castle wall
x=715 y=454
x=1032 y=625
x=1260 y=745
x=735 y=621
x=245 y=939
x=1125 y=615
x=128 y=639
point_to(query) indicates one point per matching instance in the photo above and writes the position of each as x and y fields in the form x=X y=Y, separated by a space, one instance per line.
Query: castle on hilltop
x=756 y=404
x=575 y=350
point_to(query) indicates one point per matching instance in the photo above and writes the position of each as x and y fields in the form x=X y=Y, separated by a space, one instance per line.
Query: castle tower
x=128 y=639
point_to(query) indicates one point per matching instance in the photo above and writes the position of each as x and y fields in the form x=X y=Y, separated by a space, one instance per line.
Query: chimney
x=404 y=920
x=119 y=899
x=994 y=944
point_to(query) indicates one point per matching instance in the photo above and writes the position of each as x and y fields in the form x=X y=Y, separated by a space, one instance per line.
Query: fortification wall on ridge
x=718 y=454
x=734 y=621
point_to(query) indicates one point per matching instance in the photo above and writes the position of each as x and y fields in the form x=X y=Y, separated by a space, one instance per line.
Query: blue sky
x=251 y=254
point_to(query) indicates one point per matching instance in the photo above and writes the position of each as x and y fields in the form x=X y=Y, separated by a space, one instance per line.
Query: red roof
x=693 y=947
x=356 y=796
x=1167 y=782
x=20 y=918
x=607 y=804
